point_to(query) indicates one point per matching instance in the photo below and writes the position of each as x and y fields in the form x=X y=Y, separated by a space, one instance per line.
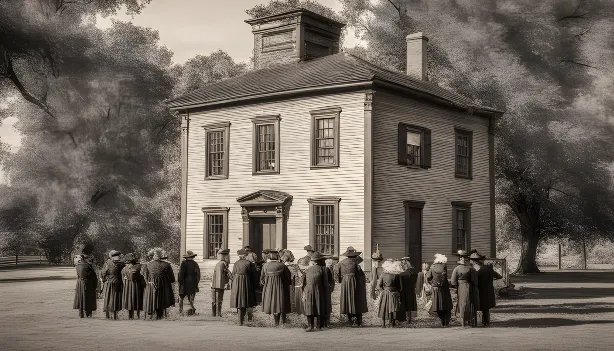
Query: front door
x=262 y=234
x=413 y=235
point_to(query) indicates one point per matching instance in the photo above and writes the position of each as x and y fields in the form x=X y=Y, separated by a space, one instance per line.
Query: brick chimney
x=293 y=36
x=416 y=55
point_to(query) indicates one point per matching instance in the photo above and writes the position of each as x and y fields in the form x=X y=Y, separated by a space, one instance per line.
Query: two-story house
x=320 y=147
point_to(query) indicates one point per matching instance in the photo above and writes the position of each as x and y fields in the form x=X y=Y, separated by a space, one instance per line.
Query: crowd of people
x=280 y=286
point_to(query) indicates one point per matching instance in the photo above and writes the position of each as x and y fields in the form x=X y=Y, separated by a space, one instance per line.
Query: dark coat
x=275 y=292
x=437 y=277
x=465 y=279
x=408 y=291
x=170 y=279
x=112 y=278
x=375 y=274
x=132 y=290
x=156 y=292
x=486 y=275
x=85 y=291
x=189 y=277
x=317 y=284
x=353 y=295
x=296 y=282
x=390 y=296
x=243 y=292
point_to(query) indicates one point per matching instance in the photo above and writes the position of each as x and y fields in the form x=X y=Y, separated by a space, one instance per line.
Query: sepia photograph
x=306 y=174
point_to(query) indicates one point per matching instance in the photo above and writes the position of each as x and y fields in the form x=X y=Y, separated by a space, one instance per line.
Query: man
x=317 y=285
x=85 y=292
x=486 y=291
x=275 y=280
x=169 y=284
x=353 y=294
x=409 y=303
x=220 y=281
x=303 y=262
x=242 y=293
x=189 y=277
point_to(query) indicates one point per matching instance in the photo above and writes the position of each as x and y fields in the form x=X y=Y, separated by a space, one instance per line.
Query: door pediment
x=264 y=198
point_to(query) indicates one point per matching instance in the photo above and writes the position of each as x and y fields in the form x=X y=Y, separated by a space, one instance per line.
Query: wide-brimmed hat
x=308 y=248
x=317 y=257
x=223 y=252
x=113 y=253
x=461 y=253
x=351 y=252
x=241 y=252
x=189 y=254
x=439 y=258
x=271 y=251
x=393 y=267
x=476 y=256
x=129 y=258
x=247 y=248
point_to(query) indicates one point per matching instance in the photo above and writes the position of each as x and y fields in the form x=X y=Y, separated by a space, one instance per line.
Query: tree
x=279 y=6
x=544 y=63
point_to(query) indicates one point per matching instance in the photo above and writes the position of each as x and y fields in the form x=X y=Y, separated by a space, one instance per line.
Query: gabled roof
x=329 y=72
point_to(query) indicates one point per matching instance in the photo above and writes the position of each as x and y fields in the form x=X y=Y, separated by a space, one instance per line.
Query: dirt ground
x=566 y=310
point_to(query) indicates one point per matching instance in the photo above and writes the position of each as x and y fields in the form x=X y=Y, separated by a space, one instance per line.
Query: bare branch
x=397 y=7
x=577 y=63
x=582 y=33
x=575 y=14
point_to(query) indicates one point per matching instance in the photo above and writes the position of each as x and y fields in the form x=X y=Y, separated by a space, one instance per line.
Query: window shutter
x=454 y=228
x=468 y=226
x=426 y=148
x=402 y=140
x=470 y=154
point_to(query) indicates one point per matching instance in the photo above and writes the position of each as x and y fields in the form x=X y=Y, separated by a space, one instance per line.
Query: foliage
x=544 y=63
x=275 y=7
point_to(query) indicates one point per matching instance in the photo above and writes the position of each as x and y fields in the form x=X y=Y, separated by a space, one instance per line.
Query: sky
x=189 y=28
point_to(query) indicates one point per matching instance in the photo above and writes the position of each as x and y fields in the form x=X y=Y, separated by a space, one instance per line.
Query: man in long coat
x=317 y=284
x=303 y=262
x=85 y=292
x=189 y=277
x=242 y=293
x=353 y=299
x=220 y=282
x=275 y=280
x=486 y=275
x=408 y=291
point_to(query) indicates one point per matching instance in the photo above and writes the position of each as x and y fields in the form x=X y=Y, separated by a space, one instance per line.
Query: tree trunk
x=528 y=257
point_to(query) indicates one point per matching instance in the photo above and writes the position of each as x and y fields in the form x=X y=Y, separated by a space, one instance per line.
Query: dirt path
x=35 y=313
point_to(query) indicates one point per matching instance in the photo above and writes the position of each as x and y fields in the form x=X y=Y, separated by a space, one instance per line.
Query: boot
x=131 y=314
x=81 y=313
x=88 y=314
x=250 y=315
x=350 y=320
x=241 y=316
x=107 y=315
x=320 y=322
x=114 y=315
x=181 y=306
x=219 y=309
x=310 y=324
x=283 y=318
x=214 y=309
x=359 y=320
x=276 y=317
x=392 y=320
x=383 y=322
x=138 y=314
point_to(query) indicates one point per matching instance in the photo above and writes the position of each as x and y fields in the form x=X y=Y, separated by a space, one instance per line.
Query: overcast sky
x=189 y=28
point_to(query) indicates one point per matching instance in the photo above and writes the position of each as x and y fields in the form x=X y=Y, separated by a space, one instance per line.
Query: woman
x=437 y=278
x=242 y=295
x=409 y=305
x=486 y=275
x=353 y=297
x=389 y=283
x=465 y=280
x=85 y=291
x=112 y=278
x=295 y=281
x=421 y=288
x=154 y=299
x=275 y=280
x=376 y=272
x=316 y=288
x=132 y=293
x=169 y=288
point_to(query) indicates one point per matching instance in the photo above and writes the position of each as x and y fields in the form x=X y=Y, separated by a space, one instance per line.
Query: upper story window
x=266 y=144
x=216 y=150
x=325 y=137
x=414 y=146
x=463 y=153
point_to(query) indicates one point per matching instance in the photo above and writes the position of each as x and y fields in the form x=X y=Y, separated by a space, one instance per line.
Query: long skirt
x=132 y=295
x=242 y=292
x=169 y=293
x=441 y=298
x=389 y=302
x=296 y=296
x=467 y=304
x=316 y=301
x=85 y=295
x=112 y=296
x=275 y=297
x=154 y=298
x=353 y=299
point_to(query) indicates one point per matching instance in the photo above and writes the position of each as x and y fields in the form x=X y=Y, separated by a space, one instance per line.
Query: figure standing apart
x=242 y=294
x=275 y=281
x=437 y=278
x=486 y=275
x=316 y=287
x=112 y=278
x=220 y=282
x=353 y=295
x=85 y=291
x=464 y=278
x=188 y=278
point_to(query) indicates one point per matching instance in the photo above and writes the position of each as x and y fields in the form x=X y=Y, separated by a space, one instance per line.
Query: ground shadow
x=545 y=323
x=36 y=279
x=564 y=308
x=565 y=277
x=567 y=293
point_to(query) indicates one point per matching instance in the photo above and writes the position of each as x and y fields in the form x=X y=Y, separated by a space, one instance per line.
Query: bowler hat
x=241 y=252
x=129 y=258
x=317 y=256
x=351 y=252
x=223 y=252
x=308 y=248
x=189 y=254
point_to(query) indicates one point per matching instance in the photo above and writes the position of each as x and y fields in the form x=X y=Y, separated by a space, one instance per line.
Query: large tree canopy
x=546 y=63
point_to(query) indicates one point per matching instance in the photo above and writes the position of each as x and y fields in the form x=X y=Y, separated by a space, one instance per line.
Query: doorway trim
x=266 y=203
x=408 y=205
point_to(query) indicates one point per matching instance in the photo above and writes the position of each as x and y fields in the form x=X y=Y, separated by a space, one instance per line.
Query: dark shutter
x=426 y=148
x=470 y=154
x=454 y=228
x=468 y=229
x=402 y=147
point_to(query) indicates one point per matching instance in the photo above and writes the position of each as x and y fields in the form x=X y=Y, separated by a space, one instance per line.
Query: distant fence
x=23 y=260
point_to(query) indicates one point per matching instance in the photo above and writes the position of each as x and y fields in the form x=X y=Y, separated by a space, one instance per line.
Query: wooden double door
x=262 y=234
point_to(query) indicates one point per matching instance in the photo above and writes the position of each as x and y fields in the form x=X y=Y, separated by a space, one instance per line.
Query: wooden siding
x=436 y=186
x=295 y=178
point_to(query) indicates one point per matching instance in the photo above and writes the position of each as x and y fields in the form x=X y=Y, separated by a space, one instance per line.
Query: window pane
x=325 y=141
x=324 y=220
x=462 y=155
x=266 y=147
x=413 y=138
x=461 y=230
x=215 y=233
x=215 y=163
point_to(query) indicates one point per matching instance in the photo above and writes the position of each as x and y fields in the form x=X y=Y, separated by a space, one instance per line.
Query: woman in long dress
x=295 y=281
x=85 y=291
x=409 y=305
x=316 y=286
x=154 y=299
x=242 y=293
x=389 y=285
x=132 y=293
x=353 y=294
x=275 y=280
x=112 y=278
x=486 y=291
x=465 y=280
x=437 y=278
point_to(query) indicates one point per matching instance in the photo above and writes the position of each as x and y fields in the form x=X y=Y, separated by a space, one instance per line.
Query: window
x=324 y=225
x=215 y=234
x=461 y=226
x=414 y=146
x=216 y=151
x=463 y=152
x=325 y=137
x=266 y=145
